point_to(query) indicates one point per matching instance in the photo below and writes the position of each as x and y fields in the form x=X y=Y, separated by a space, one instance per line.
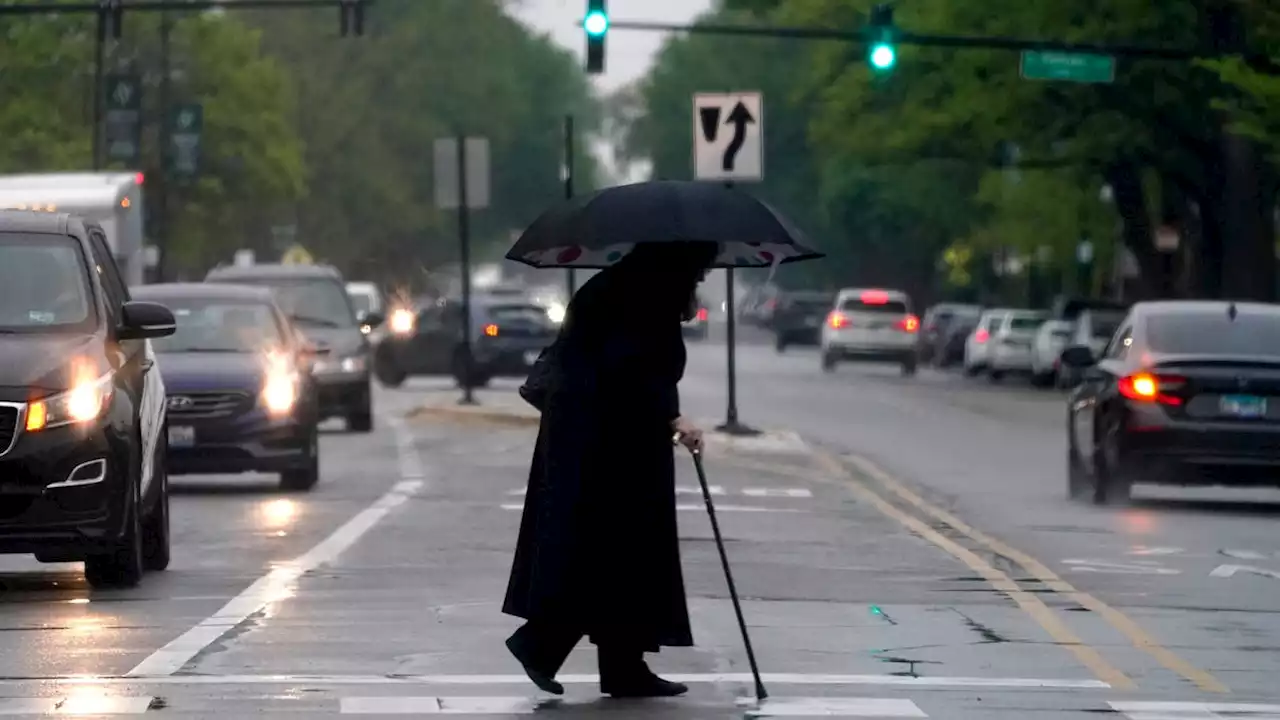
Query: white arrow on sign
x=728 y=136
x=1226 y=571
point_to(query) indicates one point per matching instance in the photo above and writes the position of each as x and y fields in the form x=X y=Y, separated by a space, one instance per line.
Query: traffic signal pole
x=570 y=281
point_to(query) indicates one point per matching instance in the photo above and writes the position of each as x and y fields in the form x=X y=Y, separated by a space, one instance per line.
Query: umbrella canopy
x=597 y=230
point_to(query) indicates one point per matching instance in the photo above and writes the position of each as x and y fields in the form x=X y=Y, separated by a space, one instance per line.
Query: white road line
x=78 y=704
x=832 y=707
x=699 y=508
x=777 y=492
x=439 y=705
x=696 y=490
x=568 y=679
x=278 y=584
x=1195 y=710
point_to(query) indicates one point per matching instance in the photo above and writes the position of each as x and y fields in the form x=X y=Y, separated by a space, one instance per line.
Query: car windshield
x=317 y=302
x=532 y=314
x=1104 y=326
x=219 y=325
x=44 y=283
x=889 y=307
x=362 y=302
x=1213 y=334
x=1025 y=323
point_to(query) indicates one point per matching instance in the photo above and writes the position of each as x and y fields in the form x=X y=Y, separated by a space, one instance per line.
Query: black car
x=82 y=414
x=315 y=299
x=1186 y=393
x=798 y=318
x=937 y=343
x=240 y=397
x=507 y=334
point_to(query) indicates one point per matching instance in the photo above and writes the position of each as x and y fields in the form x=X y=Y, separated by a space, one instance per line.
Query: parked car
x=316 y=301
x=870 y=324
x=1010 y=350
x=935 y=326
x=1046 y=351
x=799 y=317
x=977 y=345
x=1092 y=328
x=507 y=335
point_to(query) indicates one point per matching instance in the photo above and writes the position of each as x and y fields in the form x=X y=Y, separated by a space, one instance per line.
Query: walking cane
x=728 y=575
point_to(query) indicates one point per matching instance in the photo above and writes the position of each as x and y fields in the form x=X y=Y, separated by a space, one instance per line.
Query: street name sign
x=728 y=137
x=1072 y=67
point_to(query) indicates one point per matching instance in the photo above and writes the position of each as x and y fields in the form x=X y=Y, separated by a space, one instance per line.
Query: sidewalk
x=505 y=406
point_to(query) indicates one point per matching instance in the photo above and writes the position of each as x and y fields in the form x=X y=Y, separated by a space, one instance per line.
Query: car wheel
x=1042 y=380
x=780 y=345
x=996 y=376
x=1078 y=481
x=122 y=565
x=388 y=373
x=1111 y=485
x=909 y=366
x=972 y=370
x=361 y=422
x=155 y=527
x=828 y=361
x=306 y=477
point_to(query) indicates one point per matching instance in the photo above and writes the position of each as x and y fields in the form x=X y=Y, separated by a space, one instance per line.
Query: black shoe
x=545 y=681
x=646 y=685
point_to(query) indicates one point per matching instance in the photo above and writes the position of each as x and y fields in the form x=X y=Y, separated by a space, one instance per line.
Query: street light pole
x=162 y=192
x=99 y=51
x=568 y=194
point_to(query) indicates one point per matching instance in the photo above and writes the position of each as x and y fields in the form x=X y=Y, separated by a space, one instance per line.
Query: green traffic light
x=883 y=56
x=596 y=23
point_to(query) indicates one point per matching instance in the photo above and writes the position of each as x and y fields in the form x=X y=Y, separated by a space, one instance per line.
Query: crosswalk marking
x=777 y=492
x=80 y=703
x=1195 y=711
x=771 y=708
x=832 y=707
x=689 y=507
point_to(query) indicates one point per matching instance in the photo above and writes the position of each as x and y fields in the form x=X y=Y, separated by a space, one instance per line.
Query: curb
x=768 y=442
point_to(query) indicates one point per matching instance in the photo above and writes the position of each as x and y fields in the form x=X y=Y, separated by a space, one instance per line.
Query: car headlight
x=402 y=321
x=83 y=403
x=556 y=312
x=351 y=364
x=280 y=392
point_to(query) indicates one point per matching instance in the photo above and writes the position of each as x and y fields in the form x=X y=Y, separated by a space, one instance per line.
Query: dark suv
x=82 y=404
x=316 y=301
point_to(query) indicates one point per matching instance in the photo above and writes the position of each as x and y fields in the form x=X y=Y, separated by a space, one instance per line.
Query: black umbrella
x=598 y=229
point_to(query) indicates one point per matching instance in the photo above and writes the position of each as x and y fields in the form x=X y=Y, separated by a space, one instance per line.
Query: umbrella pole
x=728 y=575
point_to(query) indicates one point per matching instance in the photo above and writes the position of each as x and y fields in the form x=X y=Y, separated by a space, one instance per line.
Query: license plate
x=531 y=357
x=1243 y=406
x=182 y=437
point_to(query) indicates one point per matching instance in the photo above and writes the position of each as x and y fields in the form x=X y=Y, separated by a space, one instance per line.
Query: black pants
x=547 y=645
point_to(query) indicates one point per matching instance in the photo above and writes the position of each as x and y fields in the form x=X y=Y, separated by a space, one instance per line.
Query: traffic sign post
x=186 y=129
x=123 y=130
x=462 y=183
x=1071 y=67
x=728 y=146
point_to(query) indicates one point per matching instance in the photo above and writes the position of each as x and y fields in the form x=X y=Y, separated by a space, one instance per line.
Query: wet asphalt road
x=379 y=592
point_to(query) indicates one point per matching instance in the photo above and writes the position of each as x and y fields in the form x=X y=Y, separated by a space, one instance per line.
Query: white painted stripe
x=278 y=584
x=91 y=703
x=697 y=490
x=832 y=706
x=777 y=492
x=438 y=705
x=1194 y=710
x=568 y=679
x=700 y=508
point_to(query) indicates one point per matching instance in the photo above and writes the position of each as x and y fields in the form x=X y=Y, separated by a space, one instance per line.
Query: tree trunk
x=1125 y=179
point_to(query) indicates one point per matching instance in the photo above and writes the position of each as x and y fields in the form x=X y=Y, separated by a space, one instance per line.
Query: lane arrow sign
x=1226 y=571
x=709 y=117
x=739 y=119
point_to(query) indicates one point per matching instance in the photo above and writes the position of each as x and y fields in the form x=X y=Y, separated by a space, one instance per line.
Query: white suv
x=868 y=324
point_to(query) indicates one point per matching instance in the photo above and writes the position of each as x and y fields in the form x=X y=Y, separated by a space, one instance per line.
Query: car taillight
x=910 y=324
x=491 y=330
x=1145 y=387
x=981 y=336
x=702 y=314
x=837 y=320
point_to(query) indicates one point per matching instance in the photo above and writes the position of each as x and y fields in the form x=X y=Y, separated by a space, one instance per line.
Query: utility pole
x=570 y=281
x=162 y=191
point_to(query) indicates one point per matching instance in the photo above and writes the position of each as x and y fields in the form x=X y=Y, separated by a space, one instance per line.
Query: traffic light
x=596 y=25
x=881 y=52
x=351 y=20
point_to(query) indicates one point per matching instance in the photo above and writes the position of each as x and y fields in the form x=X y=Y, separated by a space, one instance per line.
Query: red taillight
x=874 y=297
x=910 y=324
x=981 y=336
x=138 y=178
x=837 y=320
x=1145 y=387
x=491 y=330
x=702 y=314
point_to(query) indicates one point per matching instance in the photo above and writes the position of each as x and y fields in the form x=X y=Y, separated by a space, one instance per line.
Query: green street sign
x=186 y=127
x=122 y=121
x=1072 y=67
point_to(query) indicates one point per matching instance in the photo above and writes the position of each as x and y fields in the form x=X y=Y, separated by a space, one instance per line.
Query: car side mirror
x=371 y=318
x=1079 y=357
x=142 y=320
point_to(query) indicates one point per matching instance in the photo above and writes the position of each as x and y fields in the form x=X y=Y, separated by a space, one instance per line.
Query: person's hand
x=687 y=434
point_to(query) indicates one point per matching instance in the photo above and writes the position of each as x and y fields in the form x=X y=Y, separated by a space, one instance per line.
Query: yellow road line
x=1118 y=620
x=1028 y=602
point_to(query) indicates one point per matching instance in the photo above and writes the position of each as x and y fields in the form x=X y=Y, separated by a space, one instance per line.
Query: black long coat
x=598 y=547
